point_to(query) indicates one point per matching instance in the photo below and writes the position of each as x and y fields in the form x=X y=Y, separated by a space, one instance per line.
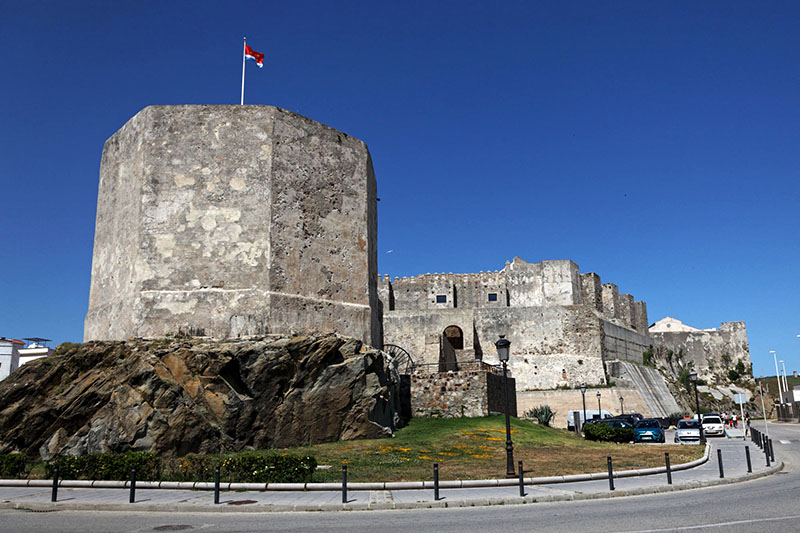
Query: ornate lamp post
x=621 y=405
x=502 y=346
x=693 y=379
x=583 y=397
x=599 y=411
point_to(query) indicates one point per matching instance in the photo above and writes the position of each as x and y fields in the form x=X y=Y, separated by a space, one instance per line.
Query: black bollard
x=216 y=485
x=669 y=468
x=132 y=497
x=521 y=480
x=766 y=454
x=610 y=475
x=747 y=455
x=719 y=461
x=54 y=495
x=436 y=481
x=771 y=450
x=344 y=483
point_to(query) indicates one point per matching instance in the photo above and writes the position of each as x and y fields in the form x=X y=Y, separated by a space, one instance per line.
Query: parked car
x=688 y=430
x=612 y=422
x=630 y=418
x=648 y=430
x=713 y=426
x=591 y=414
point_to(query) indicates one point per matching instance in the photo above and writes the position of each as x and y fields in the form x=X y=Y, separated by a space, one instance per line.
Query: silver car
x=688 y=430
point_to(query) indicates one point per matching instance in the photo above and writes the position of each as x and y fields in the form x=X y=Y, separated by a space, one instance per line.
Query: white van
x=590 y=414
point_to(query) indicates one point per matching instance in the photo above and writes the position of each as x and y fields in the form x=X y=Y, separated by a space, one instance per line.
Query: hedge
x=602 y=432
x=13 y=465
x=244 y=467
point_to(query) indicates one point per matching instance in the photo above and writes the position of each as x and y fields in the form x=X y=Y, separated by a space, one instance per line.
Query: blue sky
x=655 y=143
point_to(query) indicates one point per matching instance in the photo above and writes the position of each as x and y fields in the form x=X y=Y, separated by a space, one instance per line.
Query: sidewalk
x=706 y=474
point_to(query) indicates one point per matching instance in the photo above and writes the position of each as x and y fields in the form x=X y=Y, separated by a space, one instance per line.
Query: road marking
x=719 y=524
x=785 y=441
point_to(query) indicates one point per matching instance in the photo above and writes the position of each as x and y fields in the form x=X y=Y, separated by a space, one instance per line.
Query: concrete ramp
x=648 y=382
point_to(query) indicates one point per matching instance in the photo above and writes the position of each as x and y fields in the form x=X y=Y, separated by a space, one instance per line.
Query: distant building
x=9 y=356
x=36 y=349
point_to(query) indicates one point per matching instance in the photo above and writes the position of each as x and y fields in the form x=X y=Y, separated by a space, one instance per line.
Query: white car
x=688 y=430
x=713 y=426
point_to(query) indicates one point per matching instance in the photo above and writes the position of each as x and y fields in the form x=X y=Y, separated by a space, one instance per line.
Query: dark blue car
x=648 y=430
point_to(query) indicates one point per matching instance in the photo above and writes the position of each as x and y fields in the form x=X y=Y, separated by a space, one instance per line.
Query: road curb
x=441 y=504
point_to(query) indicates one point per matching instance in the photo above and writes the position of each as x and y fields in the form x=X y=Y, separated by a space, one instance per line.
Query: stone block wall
x=231 y=221
x=622 y=343
x=467 y=393
x=564 y=401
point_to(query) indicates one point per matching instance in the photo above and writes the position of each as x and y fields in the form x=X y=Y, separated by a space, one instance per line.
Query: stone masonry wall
x=466 y=393
x=231 y=221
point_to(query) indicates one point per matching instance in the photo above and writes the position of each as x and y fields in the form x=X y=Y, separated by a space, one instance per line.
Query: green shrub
x=190 y=468
x=543 y=414
x=247 y=467
x=251 y=467
x=12 y=465
x=602 y=432
x=107 y=466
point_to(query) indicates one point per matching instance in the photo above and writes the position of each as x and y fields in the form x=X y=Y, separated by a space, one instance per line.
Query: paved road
x=763 y=505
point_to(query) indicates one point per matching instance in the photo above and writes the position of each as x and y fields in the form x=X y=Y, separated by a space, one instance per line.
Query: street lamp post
x=502 y=346
x=785 y=381
x=599 y=411
x=621 y=405
x=693 y=379
x=583 y=398
x=778 y=376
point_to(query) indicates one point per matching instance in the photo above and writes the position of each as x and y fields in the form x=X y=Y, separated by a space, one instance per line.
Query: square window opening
x=441 y=298
x=492 y=296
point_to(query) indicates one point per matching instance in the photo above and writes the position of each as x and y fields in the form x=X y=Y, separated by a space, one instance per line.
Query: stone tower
x=228 y=221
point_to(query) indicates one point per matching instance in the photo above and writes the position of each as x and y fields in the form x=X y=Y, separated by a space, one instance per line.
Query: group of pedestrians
x=732 y=421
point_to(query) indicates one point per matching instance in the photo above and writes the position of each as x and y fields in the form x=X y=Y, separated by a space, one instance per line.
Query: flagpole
x=241 y=102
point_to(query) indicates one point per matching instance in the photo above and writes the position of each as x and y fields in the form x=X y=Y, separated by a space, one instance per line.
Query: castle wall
x=622 y=343
x=233 y=220
x=707 y=348
x=471 y=392
x=419 y=331
x=550 y=345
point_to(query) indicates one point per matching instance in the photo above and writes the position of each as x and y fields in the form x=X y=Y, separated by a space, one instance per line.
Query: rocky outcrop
x=179 y=396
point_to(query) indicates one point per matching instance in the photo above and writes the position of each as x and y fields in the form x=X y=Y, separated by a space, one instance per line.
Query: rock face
x=233 y=221
x=182 y=396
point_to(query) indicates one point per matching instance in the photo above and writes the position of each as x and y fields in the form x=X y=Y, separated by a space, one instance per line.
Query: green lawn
x=474 y=448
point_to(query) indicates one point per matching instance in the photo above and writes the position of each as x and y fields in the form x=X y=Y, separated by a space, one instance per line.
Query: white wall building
x=9 y=356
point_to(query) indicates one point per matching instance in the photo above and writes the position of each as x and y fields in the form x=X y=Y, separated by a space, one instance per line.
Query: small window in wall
x=492 y=296
x=441 y=298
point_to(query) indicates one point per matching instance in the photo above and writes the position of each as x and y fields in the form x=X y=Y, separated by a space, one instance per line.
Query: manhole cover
x=173 y=527
x=241 y=502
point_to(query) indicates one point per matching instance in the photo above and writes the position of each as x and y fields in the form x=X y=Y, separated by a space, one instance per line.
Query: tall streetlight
x=693 y=379
x=621 y=405
x=778 y=376
x=502 y=346
x=583 y=397
x=599 y=411
x=785 y=381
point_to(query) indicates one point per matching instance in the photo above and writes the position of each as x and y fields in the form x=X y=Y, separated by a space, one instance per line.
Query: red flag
x=258 y=57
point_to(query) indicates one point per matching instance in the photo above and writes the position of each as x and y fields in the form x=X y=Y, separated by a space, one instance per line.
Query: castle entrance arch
x=455 y=336
x=452 y=339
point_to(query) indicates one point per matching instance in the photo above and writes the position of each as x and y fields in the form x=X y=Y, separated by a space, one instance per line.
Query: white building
x=36 y=349
x=9 y=356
